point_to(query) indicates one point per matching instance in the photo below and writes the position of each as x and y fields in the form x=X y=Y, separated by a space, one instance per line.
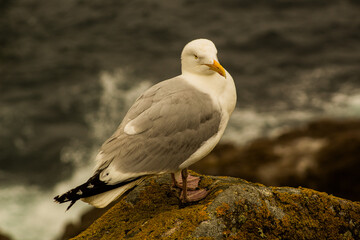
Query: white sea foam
x=28 y=212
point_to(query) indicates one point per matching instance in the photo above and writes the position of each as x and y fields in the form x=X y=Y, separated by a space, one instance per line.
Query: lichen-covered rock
x=234 y=209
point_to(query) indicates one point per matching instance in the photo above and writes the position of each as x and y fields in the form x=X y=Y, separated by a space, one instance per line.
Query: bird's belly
x=205 y=149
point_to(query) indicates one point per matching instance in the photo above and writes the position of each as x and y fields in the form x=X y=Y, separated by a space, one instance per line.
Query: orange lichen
x=223 y=209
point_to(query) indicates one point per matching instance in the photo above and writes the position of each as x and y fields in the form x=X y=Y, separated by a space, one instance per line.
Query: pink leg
x=194 y=196
x=192 y=181
x=189 y=185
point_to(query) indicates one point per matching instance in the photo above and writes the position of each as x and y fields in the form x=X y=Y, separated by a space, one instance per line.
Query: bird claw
x=192 y=183
x=188 y=192
x=193 y=196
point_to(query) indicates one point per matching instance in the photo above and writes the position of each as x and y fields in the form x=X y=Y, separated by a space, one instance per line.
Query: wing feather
x=170 y=121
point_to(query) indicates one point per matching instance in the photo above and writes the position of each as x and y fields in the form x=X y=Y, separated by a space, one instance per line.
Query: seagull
x=172 y=125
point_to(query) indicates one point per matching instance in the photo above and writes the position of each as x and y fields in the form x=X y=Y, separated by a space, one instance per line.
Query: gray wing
x=171 y=121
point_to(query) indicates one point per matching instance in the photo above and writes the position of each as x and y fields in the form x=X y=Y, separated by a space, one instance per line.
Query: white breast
x=223 y=94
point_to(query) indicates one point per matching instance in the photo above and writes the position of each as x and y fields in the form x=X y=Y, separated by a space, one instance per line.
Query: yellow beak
x=217 y=68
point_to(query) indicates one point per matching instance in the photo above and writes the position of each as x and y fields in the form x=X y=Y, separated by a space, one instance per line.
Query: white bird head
x=199 y=57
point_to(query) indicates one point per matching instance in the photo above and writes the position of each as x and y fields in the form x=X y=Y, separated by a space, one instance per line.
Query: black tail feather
x=91 y=187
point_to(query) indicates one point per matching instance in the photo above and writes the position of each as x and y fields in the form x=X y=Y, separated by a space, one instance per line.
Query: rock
x=234 y=209
x=322 y=155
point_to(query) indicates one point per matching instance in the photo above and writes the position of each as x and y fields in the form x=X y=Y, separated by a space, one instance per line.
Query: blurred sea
x=69 y=70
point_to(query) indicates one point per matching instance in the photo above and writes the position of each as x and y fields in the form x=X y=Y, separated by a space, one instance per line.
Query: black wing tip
x=71 y=204
x=57 y=199
x=83 y=191
x=61 y=199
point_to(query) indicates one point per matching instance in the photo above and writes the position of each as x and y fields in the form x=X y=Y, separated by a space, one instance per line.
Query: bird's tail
x=97 y=192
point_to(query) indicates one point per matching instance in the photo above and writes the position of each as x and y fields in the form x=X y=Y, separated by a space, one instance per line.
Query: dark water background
x=286 y=57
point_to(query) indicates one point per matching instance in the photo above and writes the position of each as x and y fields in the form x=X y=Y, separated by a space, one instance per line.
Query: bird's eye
x=196 y=57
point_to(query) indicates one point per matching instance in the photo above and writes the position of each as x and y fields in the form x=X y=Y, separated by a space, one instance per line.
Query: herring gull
x=172 y=125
